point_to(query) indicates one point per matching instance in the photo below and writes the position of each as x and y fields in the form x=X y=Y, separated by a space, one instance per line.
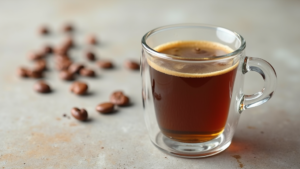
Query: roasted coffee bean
x=118 y=98
x=106 y=107
x=68 y=43
x=79 y=88
x=35 y=55
x=43 y=30
x=105 y=64
x=90 y=56
x=63 y=64
x=75 y=68
x=36 y=74
x=22 y=72
x=40 y=65
x=68 y=27
x=61 y=50
x=61 y=58
x=92 y=40
x=87 y=72
x=132 y=65
x=47 y=49
x=66 y=75
x=42 y=87
x=79 y=114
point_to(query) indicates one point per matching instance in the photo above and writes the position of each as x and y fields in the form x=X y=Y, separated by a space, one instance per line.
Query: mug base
x=191 y=150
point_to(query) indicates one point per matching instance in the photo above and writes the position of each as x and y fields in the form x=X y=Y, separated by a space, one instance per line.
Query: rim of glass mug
x=191 y=25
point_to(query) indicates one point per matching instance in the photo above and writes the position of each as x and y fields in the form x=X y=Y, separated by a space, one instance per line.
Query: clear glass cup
x=205 y=127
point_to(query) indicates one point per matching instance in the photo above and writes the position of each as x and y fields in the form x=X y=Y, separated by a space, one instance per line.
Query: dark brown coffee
x=79 y=114
x=192 y=107
x=79 y=88
x=119 y=98
x=106 y=107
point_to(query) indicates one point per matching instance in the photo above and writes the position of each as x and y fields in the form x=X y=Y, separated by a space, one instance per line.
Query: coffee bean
x=47 y=49
x=132 y=65
x=61 y=50
x=106 y=107
x=68 y=27
x=75 y=68
x=92 y=40
x=61 y=58
x=64 y=48
x=63 y=64
x=68 y=43
x=36 y=74
x=35 y=55
x=90 y=56
x=43 y=30
x=66 y=75
x=87 y=72
x=119 y=98
x=40 y=65
x=42 y=87
x=79 y=88
x=79 y=114
x=22 y=72
x=105 y=64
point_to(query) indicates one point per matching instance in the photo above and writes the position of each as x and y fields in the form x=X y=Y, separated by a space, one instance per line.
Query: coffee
x=119 y=98
x=79 y=114
x=192 y=101
x=79 y=88
x=105 y=108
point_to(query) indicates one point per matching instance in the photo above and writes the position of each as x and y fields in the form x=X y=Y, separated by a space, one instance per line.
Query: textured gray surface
x=34 y=134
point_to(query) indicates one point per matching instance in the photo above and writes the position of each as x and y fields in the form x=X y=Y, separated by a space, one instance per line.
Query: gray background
x=34 y=133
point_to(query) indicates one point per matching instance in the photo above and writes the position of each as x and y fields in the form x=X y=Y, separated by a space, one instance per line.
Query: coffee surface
x=190 y=50
x=192 y=107
x=207 y=52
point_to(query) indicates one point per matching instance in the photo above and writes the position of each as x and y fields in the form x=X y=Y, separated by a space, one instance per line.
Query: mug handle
x=266 y=70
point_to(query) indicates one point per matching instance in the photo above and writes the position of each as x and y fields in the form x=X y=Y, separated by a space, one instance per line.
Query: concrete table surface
x=34 y=133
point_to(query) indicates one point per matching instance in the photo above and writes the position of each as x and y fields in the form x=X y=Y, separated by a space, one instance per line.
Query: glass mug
x=192 y=105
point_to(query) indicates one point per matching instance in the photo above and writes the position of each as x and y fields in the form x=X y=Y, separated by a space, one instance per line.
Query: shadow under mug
x=189 y=111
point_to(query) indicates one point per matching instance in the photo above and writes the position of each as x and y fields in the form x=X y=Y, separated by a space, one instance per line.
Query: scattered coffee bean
x=106 y=107
x=61 y=50
x=92 y=40
x=87 y=72
x=64 y=48
x=22 y=72
x=43 y=30
x=66 y=75
x=90 y=56
x=35 y=55
x=79 y=114
x=75 y=68
x=132 y=65
x=61 y=58
x=119 y=98
x=63 y=64
x=79 y=88
x=68 y=27
x=68 y=43
x=40 y=65
x=42 y=87
x=36 y=74
x=47 y=49
x=105 y=64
